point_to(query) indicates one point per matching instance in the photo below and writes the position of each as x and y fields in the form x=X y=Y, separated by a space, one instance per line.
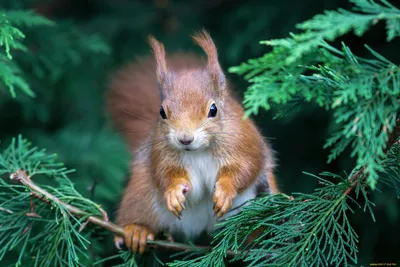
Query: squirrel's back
x=134 y=97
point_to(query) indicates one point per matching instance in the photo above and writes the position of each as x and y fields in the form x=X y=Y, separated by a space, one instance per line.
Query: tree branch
x=36 y=191
x=22 y=177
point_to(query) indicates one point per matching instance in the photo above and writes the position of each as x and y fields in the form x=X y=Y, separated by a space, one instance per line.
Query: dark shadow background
x=68 y=116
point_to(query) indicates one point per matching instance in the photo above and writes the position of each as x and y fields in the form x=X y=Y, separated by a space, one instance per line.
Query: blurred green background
x=69 y=65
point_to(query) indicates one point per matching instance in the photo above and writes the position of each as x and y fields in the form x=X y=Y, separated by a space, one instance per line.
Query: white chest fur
x=203 y=169
x=199 y=215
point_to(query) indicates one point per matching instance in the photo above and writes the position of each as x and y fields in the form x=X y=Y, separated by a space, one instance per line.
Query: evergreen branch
x=10 y=38
x=46 y=197
x=48 y=58
x=22 y=177
x=295 y=231
x=332 y=24
x=10 y=35
x=391 y=165
x=362 y=93
x=10 y=76
x=26 y=18
x=43 y=235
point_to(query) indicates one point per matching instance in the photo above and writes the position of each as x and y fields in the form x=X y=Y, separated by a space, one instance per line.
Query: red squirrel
x=194 y=155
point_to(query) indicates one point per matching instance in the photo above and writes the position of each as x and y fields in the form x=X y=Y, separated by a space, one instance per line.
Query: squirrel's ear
x=203 y=39
x=159 y=54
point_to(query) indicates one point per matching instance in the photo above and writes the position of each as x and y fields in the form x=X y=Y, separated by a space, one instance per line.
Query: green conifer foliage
x=363 y=93
x=52 y=82
x=10 y=39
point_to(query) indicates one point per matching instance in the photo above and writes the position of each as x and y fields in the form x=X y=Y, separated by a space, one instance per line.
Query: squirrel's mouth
x=190 y=148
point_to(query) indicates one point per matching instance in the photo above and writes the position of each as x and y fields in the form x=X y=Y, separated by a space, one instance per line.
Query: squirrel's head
x=192 y=99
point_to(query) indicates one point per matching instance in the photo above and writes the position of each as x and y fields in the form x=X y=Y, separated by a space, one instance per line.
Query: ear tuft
x=203 y=39
x=159 y=54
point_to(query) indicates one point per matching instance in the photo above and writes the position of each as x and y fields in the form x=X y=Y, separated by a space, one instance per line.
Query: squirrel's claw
x=223 y=200
x=118 y=241
x=175 y=198
x=136 y=237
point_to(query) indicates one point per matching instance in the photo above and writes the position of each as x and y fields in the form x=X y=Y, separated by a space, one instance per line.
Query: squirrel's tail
x=134 y=99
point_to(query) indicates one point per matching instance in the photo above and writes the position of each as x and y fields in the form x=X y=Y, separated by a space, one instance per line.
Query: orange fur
x=160 y=177
x=138 y=237
x=159 y=55
x=273 y=185
x=203 y=39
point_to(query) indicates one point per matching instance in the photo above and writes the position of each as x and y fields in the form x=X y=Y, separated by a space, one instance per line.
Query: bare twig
x=22 y=177
x=41 y=198
x=354 y=179
x=104 y=213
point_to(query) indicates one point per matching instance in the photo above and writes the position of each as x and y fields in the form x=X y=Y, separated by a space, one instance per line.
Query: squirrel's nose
x=187 y=140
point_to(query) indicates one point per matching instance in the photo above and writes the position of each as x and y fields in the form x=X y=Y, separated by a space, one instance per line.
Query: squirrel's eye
x=162 y=113
x=213 y=111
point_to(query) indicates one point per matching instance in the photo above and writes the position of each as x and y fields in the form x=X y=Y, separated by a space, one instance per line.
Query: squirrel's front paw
x=175 y=197
x=223 y=198
x=136 y=237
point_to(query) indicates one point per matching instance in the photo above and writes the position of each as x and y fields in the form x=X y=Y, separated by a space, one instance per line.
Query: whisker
x=154 y=141
x=167 y=123
x=136 y=116
x=223 y=133
x=149 y=144
x=203 y=123
x=237 y=134
x=130 y=132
